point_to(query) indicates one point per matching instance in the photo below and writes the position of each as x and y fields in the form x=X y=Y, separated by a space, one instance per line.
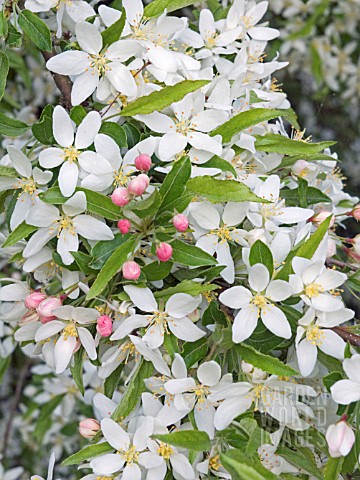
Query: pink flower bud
x=124 y=226
x=321 y=216
x=143 y=162
x=46 y=307
x=29 y=317
x=181 y=222
x=89 y=427
x=164 y=252
x=144 y=178
x=137 y=186
x=34 y=299
x=331 y=248
x=340 y=438
x=131 y=270
x=355 y=213
x=120 y=197
x=104 y=326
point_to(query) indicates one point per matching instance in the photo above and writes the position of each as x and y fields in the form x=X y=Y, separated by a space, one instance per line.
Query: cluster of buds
x=121 y=196
x=41 y=307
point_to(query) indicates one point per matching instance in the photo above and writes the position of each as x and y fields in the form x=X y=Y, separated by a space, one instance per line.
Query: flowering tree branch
x=63 y=83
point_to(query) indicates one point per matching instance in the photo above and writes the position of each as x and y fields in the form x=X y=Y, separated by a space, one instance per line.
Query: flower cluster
x=176 y=262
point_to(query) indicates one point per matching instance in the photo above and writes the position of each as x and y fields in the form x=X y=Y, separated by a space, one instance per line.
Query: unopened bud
x=181 y=222
x=340 y=438
x=164 y=252
x=120 y=197
x=34 y=299
x=124 y=226
x=46 y=307
x=137 y=186
x=131 y=270
x=321 y=216
x=104 y=326
x=143 y=162
x=355 y=213
x=89 y=427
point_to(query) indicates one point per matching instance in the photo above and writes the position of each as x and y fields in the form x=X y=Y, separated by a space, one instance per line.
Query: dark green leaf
x=266 y=363
x=261 y=253
x=36 y=30
x=174 y=183
x=4 y=70
x=189 y=439
x=190 y=255
x=113 y=33
x=21 y=231
x=116 y=132
x=11 y=127
x=86 y=453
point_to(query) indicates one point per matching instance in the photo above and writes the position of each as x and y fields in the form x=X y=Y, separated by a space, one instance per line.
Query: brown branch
x=338 y=263
x=17 y=396
x=62 y=82
x=352 y=338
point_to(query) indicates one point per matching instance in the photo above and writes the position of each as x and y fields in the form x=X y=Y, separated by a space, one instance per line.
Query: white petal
x=180 y=305
x=20 y=161
x=107 y=464
x=181 y=465
x=62 y=127
x=87 y=342
x=236 y=297
x=121 y=79
x=14 y=292
x=158 y=122
x=75 y=205
x=114 y=434
x=332 y=344
x=37 y=241
x=258 y=277
x=209 y=373
x=278 y=290
x=42 y=215
x=67 y=243
x=245 y=323
x=184 y=329
x=230 y=409
x=234 y=213
x=92 y=228
x=224 y=257
x=88 y=37
x=142 y=298
x=84 y=85
x=205 y=215
x=63 y=352
x=128 y=325
x=331 y=279
x=306 y=354
x=345 y=392
x=131 y=472
x=51 y=157
x=179 y=385
x=87 y=130
x=94 y=163
x=69 y=63
x=201 y=141
x=275 y=320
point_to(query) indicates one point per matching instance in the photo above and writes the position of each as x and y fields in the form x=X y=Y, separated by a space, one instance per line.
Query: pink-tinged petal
x=275 y=320
x=185 y=329
x=245 y=323
x=306 y=355
x=62 y=127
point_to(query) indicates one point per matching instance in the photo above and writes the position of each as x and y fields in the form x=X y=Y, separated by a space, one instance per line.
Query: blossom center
x=315 y=335
x=201 y=391
x=65 y=223
x=128 y=349
x=69 y=331
x=27 y=185
x=313 y=290
x=121 y=178
x=158 y=319
x=184 y=126
x=71 y=154
x=214 y=462
x=223 y=233
x=260 y=301
x=130 y=456
x=100 y=63
x=165 y=451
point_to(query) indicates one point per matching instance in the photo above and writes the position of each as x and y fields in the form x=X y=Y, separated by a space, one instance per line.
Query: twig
x=17 y=396
x=62 y=82
x=352 y=338
x=338 y=263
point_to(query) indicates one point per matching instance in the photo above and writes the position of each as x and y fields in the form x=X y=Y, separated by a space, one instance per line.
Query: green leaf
x=302 y=458
x=161 y=99
x=157 y=7
x=116 y=132
x=102 y=250
x=132 y=135
x=330 y=379
x=36 y=30
x=146 y=207
x=42 y=130
x=4 y=70
x=83 y=261
x=133 y=391
x=213 y=315
x=8 y=172
x=187 y=286
x=289 y=161
x=11 y=127
x=77 y=114
x=333 y=468
x=266 y=363
x=4 y=28
x=261 y=253
x=157 y=270
x=111 y=267
x=21 y=231
x=77 y=370
x=189 y=439
x=91 y=451
x=14 y=38
x=244 y=120
x=4 y=365
x=242 y=466
x=306 y=250
x=272 y=142
x=112 y=381
x=174 y=183
x=194 y=351
x=113 y=33
x=190 y=255
x=96 y=202
x=218 y=191
x=221 y=164
x=295 y=197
